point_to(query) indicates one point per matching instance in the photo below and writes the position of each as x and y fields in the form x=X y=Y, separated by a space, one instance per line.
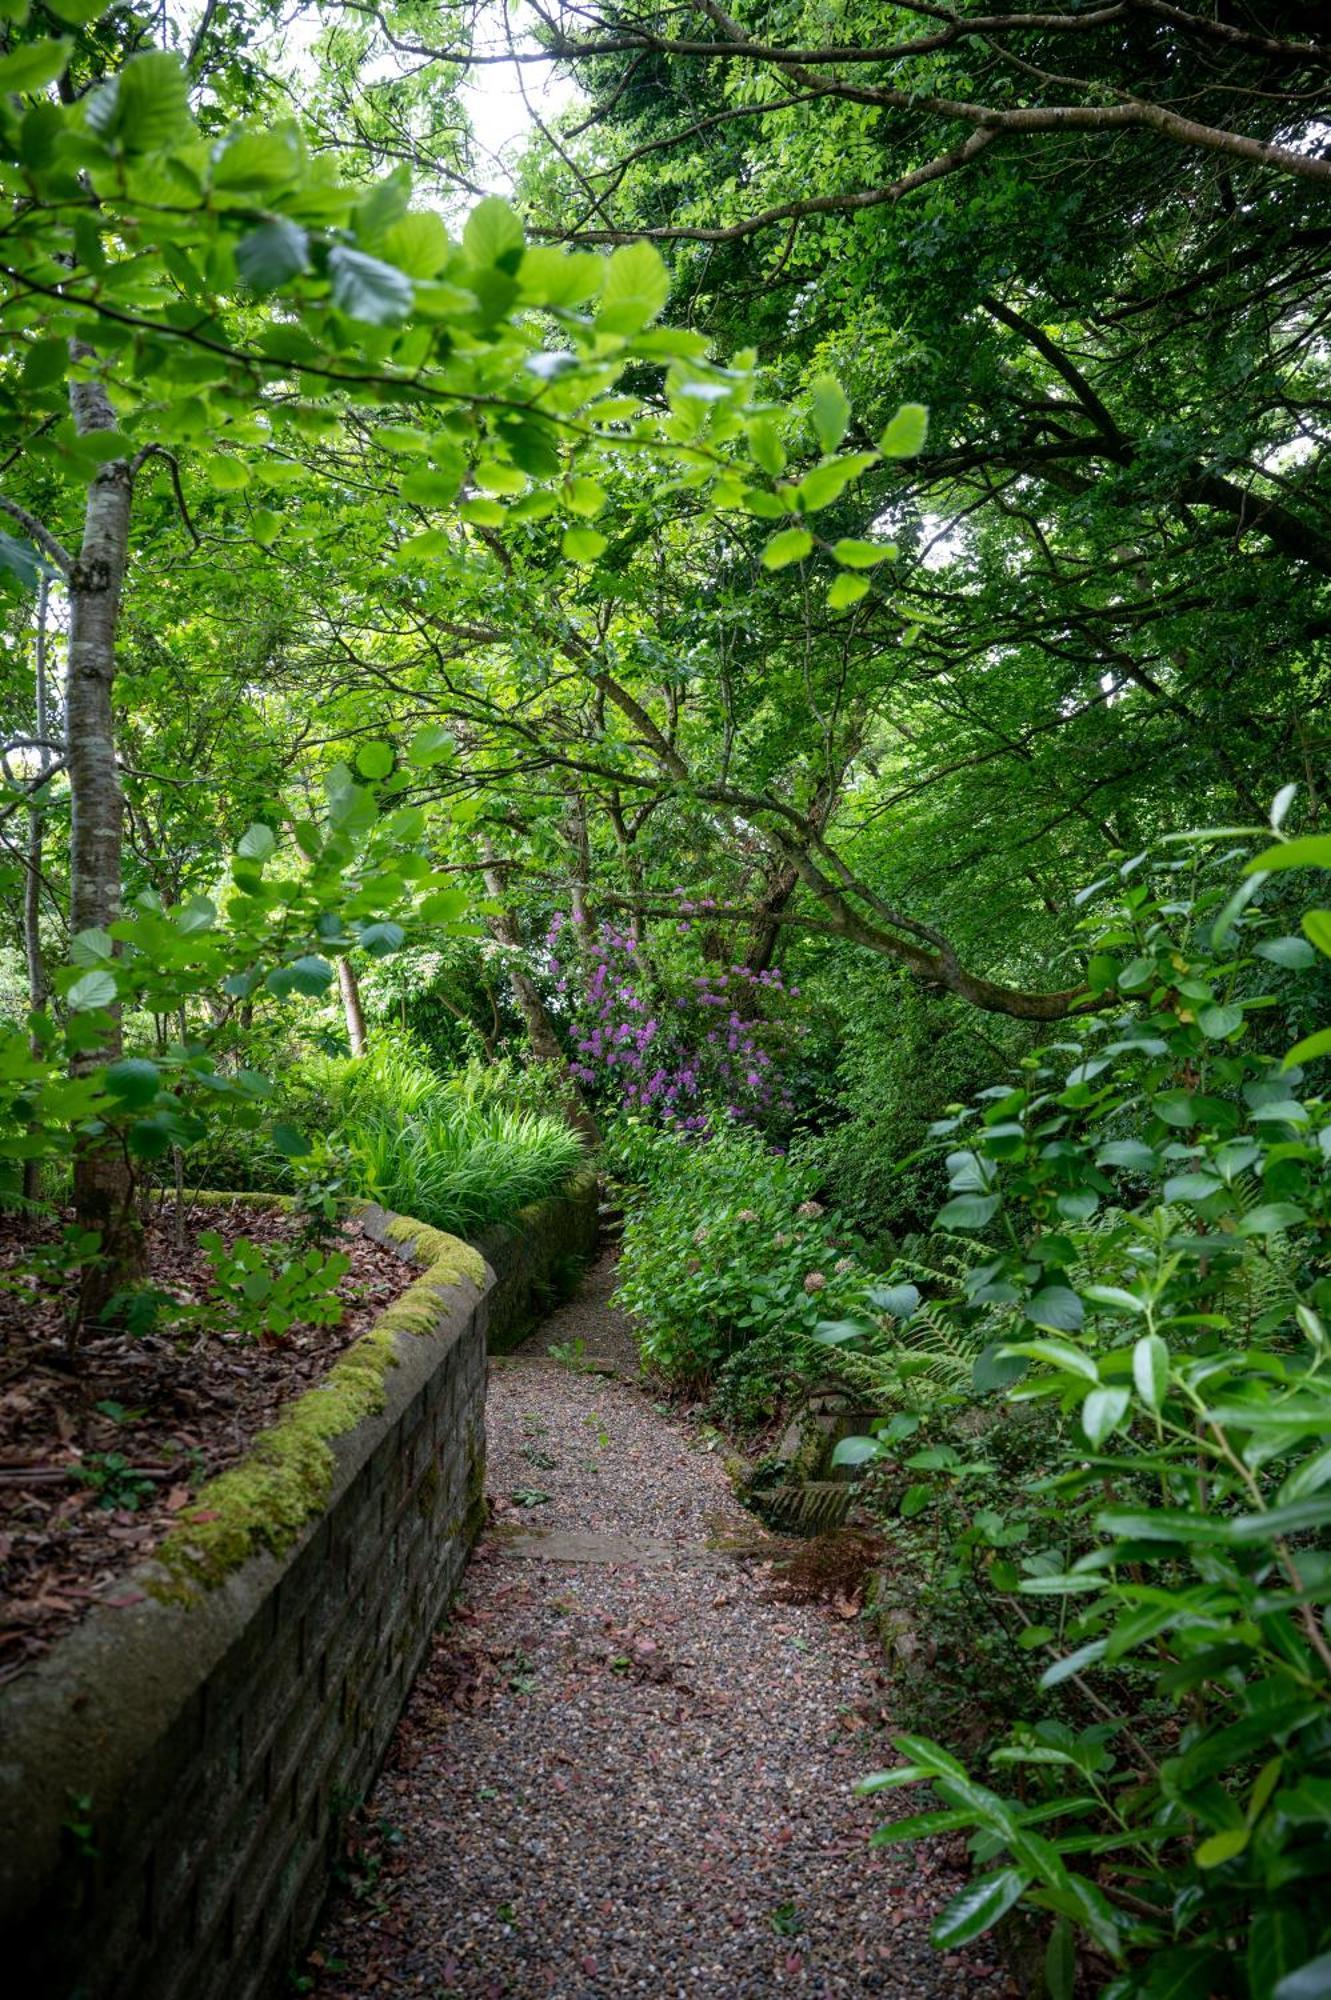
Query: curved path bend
x=626 y=1769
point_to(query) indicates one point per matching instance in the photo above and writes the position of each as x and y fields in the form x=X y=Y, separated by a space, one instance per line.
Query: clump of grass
x=444 y=1150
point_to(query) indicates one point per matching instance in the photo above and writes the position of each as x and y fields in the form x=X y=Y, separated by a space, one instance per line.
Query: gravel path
x=626 y=1770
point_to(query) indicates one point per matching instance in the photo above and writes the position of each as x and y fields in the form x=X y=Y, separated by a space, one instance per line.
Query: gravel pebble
x=632 y=1776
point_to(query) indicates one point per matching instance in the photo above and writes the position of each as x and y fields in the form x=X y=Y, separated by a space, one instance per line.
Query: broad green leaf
x=829 y=411
x=636 y=288
x=310 y=976
x=1150 y=1369
x=1219 y=1022
x=257 y=843
x=1313 y=850
x=94 y=989
x=582 y=544
x=290 y=1141
x=968 y=1211
x=374 y=760
x=381 y=940
x=1220 y=1847
x=1317 y=925
x=367 y=289
x=1102 y=1413
x=977 y=1908
x=145 y=108
x=33 y=65
x=906 y=434
x=1293 y=953
x=432 y=744
x=1058 y=1354
x=272 y=255
x=493 y=236
x=1056 y=1307
x=1310 y=1048
x=1311 y=1981
x=847 y=590
x=852 y=554
x=135 y=1081
x=790 y=546
x=92 y=947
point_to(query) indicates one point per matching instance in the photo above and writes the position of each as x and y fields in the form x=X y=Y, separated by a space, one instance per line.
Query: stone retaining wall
x=216 y=1722
x=533 y=1258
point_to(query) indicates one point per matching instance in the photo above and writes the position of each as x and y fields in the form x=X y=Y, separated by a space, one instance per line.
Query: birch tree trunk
x=103 y=1181
x=351 y=1006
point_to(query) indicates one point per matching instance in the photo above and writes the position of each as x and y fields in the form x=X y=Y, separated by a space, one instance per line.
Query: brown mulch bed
x=101 y=1447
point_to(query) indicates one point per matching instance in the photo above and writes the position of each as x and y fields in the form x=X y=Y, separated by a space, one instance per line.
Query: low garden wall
x=174 y=1773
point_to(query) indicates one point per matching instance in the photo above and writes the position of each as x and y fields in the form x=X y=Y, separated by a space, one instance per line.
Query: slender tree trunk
x=351 y=1006
x=540 y=1028
x=103 y=1182
x=38 y=984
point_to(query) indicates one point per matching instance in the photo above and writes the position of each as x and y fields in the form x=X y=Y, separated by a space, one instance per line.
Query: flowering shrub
x=726 y=1248
x=692 y=1052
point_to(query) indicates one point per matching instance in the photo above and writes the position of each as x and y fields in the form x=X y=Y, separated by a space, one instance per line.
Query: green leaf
x=273 y=254
x=145 y=109
x=1060 y=1962
x=1277 y=1944
x=636 y=288
x=1271 y=1218
x=1311 y=1981
x=790 y=546
x=1057 y=1307
x=977 y=1908
x=374 y=760
x=1217 y=1023
x=381 y=940
x=92 y=947
x=367 y=289
x=1102 y=1413
x=310 y=976
x=78 y=13
x=492 y=235
x=1290 y=952
x=135 y=1081
x=1150 y=1369
x=1313 y=850
x=33 y=65
x=905 y=435
x=1222 y=1847
x=432 y=744
x=1309 y=1048
x=95 y=989
x=768 y=451
x=582 y=544
x=1060 y=1354
x=852 y=554
x=829 y=411
x=968 y=1211
x=1317 y=925
x=257 y=843
x=847 y=590
x=291 y=1142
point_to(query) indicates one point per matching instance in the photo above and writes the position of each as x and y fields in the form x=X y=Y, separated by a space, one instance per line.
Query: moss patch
x=287 y=1474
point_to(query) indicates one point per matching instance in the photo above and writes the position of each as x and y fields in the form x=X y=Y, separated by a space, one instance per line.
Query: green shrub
x=727 y=1256
x=1150 y=1208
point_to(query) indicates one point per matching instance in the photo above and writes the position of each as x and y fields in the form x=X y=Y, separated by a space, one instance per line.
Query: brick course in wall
x=223 y=1740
